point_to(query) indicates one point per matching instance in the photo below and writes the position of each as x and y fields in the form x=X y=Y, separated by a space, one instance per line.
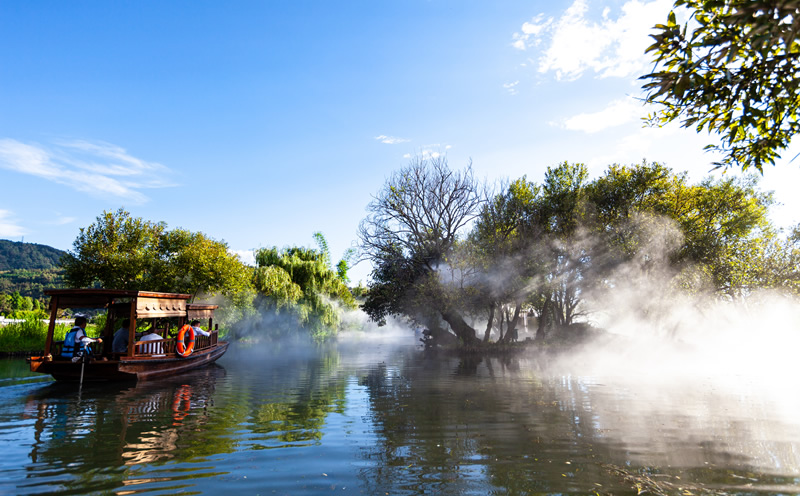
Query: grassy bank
x=27 y=337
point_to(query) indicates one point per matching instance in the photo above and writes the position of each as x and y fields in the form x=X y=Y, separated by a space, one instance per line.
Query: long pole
x=83 y=362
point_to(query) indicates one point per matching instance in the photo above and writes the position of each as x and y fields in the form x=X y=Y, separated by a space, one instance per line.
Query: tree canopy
x=411 y=230
x=732 y=69
x=558 y=249
x=123 y=252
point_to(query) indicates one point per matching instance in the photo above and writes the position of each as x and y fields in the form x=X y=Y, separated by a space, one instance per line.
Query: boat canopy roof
x=148 y=303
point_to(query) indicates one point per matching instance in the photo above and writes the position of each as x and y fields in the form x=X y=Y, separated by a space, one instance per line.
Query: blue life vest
x=71 y=348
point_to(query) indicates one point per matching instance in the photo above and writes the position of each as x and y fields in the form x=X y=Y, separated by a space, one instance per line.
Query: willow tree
x=300 y=284
x=411 y=229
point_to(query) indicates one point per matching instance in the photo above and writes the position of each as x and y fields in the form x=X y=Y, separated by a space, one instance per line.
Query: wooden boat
x=145 y=359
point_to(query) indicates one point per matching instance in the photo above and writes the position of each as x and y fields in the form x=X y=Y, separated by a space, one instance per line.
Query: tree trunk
x=488 y=333
x=437 y=336
x=543 y=319
x=500 y=326
x=513 y=333
x=461 y=329
x=511 y=328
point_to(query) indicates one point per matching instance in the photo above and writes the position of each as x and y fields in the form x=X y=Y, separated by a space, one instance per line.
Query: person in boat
x=197 y=330
x=120 y=343
x=76 y=342
x=154 y=348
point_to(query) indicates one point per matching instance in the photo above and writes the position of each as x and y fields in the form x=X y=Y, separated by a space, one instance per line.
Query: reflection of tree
x=505 y=426
x=297 y=420
x=443 y=432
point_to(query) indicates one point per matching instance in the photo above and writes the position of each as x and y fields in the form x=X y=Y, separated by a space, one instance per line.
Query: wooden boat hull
x=127 y=369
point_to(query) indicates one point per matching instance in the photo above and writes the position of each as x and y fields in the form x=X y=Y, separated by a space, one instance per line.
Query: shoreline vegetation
x=26 y=338
x=470 y=264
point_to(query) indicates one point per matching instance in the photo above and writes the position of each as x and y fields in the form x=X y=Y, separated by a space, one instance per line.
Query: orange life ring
x=183 y=349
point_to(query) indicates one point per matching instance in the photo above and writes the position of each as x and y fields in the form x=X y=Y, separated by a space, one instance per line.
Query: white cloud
x=8 y=226
x=575 y=43
x=430 y=151
x=391 y=140
x=511 y=87
x=531 y=31
x=98 y=169
x=615 y=114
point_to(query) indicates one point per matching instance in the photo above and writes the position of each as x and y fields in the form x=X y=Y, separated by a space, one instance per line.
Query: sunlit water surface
x=370 y=418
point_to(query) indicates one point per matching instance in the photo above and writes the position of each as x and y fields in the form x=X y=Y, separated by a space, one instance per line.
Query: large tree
x=505 y=245
x=732 y=69
x=123 y=252
x=411 y=229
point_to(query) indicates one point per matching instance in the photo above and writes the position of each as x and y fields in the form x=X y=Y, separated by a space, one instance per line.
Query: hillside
x=16 y=255
x=29 y=268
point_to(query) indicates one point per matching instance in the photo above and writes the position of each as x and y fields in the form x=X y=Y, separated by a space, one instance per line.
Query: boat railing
x=153 y=348
x=167 y=347
x=203 y=342
x=57 y=347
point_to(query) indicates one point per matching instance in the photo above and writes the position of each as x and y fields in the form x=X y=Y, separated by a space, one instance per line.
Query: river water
x=377 y=418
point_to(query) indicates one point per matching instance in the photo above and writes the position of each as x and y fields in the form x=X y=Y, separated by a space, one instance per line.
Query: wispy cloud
x=431 y=151
x=531 y=31
x=61 y=219
x=610 y=47
x=98 y=169
x=391 y=140
x=511 y=87
x=8 y=226
x=615 y=114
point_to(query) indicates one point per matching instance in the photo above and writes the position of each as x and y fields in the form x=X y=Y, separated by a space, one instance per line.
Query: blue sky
x=259 y=123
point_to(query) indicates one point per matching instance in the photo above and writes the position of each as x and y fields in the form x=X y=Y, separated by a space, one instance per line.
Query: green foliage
x=562 y=195
x=275 y=283
x=28 y=335
x=122 y=252
x=28 y=269
x=718 y=221
x=191 y=262
x=548 y=248
x=118 y=251
x=733 y=73
x=16 y=306
x=299 y=282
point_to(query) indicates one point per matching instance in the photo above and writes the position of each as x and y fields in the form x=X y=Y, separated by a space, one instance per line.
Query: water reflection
x=108 y=424
x=511 y=423
x=359 y=420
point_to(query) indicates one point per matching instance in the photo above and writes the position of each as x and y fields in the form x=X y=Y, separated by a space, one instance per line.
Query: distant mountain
x=15 y=255
x=29 y=268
